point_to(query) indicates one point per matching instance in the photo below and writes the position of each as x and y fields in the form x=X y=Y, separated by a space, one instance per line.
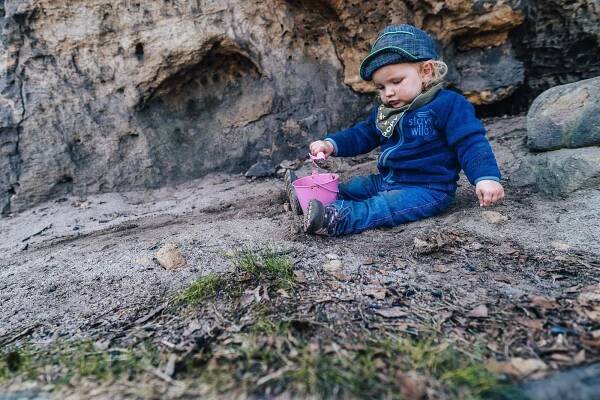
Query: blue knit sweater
x=429 y=145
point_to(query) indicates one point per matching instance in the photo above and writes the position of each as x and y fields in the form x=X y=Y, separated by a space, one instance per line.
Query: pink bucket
x=323 y=187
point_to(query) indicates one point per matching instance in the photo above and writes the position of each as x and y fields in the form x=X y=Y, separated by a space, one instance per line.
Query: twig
x=25 y=332
x=37 y=233
x=273 y=375
x=151 y=314
x=161 y=375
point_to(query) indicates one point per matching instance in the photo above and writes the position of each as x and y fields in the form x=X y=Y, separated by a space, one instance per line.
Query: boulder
x=566 y=116
x=581 y=383
x=561 y=171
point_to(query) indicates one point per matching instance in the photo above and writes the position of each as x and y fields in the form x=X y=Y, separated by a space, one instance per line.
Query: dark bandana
x=388 y=117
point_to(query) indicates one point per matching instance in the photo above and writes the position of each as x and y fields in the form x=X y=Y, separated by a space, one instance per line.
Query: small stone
x=287 y=164
x=480 y=311
x=261 y=169
x=560 y=246
x=441 y=269
x=494 y=217
x=300 y=276
x=421 y=245
x=334 y=268
x=169 y=256
x=144 y=261
x=400 y=264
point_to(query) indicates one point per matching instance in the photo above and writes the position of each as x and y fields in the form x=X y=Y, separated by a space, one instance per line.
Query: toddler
x=426 y=134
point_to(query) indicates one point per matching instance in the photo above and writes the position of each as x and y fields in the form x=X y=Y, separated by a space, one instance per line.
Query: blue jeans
x=367 y=202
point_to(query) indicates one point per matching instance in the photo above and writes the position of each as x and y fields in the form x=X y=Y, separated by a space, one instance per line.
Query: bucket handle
x=319 y=185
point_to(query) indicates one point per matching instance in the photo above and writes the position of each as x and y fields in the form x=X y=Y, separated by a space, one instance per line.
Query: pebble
x=494 y=217
x=169 y=256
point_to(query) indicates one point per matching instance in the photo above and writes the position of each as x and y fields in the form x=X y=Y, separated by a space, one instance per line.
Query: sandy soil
x=74 y=262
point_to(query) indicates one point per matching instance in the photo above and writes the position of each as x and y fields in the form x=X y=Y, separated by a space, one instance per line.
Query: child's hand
x=321 y=146
x=489 y=192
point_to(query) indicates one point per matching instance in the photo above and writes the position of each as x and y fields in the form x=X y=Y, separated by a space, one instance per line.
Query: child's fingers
x=498 y=196
x=479 y=196
x=487 y=199
x=495 y=198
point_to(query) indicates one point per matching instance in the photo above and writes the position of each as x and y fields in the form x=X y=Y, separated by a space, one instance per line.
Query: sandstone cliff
x=102 y=95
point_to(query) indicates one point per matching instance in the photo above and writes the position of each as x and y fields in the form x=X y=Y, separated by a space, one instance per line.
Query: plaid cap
x=398 y=44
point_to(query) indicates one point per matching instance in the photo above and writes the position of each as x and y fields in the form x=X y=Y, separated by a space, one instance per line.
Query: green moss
x=75 y=359
x=307 y=369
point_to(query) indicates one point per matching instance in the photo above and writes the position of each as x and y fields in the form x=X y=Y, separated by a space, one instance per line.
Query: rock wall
x=101 y=95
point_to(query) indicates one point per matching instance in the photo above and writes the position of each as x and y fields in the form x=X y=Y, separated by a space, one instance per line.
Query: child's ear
x=426 y=72
x=427 y=69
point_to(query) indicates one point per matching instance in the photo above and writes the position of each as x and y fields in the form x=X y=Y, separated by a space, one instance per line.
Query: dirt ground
x=515 y=280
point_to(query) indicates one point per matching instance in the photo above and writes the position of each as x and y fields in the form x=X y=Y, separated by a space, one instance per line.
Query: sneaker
x=290 y=177
x=320 y=220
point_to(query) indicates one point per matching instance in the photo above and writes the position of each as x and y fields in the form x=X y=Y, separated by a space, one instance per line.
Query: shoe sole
x=290 y=177
x=314 y=216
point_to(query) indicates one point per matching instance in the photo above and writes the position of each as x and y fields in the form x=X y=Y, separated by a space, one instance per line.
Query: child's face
x=399 y=84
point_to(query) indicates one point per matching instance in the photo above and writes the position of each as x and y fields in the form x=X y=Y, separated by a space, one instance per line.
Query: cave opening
x=189 y=115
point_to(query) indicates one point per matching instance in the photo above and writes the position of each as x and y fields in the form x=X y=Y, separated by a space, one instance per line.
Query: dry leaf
x=579 y=357
x=481 y=311
x=589 y=294
x=593 y=342
x=393 y=312
x=300 y=276
x=542 y=302
x=561 y=358
x=534 y=324
x=593 y=314
x=518 y=367
x=376 y=292
x=528 y=366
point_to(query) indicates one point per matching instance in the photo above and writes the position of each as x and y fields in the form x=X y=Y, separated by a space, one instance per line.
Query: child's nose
x=389 y=91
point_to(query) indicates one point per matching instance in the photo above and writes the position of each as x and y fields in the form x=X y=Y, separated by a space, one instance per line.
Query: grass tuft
x=202 y=288
x=265 y=266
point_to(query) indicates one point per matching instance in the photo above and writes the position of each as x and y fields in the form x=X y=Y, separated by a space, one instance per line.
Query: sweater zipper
x=383 y=157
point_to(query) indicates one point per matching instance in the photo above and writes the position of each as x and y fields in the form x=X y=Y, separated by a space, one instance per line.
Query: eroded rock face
x=559 y=43
x=101 y=95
